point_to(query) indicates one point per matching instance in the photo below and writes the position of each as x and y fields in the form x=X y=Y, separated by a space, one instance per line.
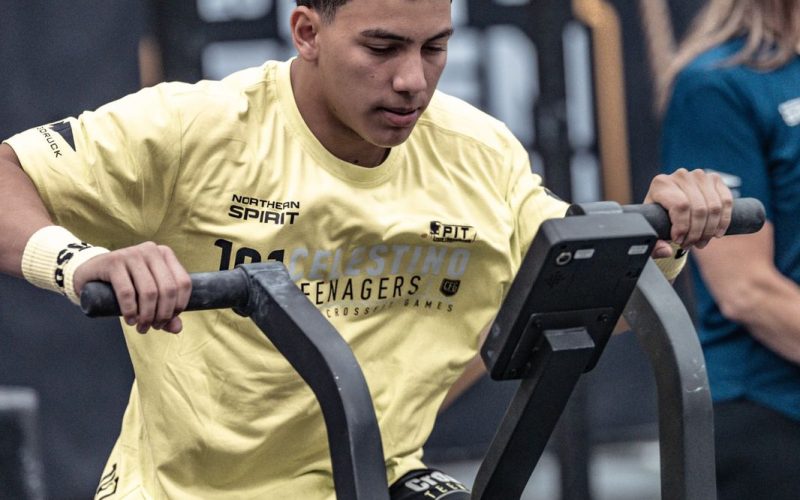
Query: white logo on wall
x=790 y=111
x=221 y=58
x=215 y=11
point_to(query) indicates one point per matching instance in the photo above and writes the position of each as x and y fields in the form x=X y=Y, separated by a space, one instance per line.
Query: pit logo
x=450 y=233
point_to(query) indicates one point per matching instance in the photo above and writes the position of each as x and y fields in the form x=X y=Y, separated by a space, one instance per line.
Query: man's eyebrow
x=388 y=35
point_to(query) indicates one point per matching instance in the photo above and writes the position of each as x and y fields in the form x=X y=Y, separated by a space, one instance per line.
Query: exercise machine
x=581 y=273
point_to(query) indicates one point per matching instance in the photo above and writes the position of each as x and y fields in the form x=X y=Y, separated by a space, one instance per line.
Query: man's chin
x=391 y=140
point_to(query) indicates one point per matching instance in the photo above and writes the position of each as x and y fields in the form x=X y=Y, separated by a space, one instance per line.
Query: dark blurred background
x=58 y=59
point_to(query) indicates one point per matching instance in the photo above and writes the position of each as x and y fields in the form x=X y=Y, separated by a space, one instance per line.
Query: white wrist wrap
x=51 y=257
x=672 y=266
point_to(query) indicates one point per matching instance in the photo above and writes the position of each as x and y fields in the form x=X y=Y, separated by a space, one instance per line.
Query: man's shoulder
x=234 y=86
x=256 y=76
x=245 y=90
x=454 y=117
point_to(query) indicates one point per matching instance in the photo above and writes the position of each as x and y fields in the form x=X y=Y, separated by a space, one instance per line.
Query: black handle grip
x=215 y=290
x=748 y=216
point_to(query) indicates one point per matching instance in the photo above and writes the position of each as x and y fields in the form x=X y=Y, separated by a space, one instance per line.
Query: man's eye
x=381 y=50
x=435 y=48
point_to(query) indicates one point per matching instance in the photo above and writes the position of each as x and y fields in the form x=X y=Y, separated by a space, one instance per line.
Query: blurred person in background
x=733 y=97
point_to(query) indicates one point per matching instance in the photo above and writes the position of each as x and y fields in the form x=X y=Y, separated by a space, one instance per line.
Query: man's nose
x=410 y=76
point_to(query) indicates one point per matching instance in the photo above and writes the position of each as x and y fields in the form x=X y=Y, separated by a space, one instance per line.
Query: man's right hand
x=151 y=286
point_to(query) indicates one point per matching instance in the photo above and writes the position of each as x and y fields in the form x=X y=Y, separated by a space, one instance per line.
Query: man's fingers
x=692 y=185
x=134 y=265
x=699 y=205
x=713 y=203
x=150 y=284
x=718 y=206
x=166 y=286
x=146 y=292
x=175 y=325
x=661 y=250
x=125 y=292
x=182 y=279
x=726 y=198
x=174 y=286
x=675 y=193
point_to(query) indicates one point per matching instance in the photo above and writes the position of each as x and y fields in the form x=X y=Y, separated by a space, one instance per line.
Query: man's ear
x=305 y=25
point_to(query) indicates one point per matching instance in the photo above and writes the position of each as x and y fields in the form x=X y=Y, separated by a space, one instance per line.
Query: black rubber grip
x=216 y=290
x=748 y=216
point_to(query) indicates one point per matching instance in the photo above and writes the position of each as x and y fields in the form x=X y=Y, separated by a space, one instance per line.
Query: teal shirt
x=745 y=124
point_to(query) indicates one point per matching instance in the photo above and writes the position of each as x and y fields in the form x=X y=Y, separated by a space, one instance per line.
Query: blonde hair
x=770 y=29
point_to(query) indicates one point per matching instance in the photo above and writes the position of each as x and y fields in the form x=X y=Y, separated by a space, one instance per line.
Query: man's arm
x=22 y=214
x=699 y=207
x=741 y=275
x=152 y=287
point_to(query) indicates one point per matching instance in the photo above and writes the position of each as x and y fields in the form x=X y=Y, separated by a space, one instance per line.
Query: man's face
x=379 y=63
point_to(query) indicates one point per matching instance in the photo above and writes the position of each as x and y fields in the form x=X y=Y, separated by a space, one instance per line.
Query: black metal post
x=558 y=361
x=572 y=445
x=685 y=412
x=324 y=360
x=21 y=469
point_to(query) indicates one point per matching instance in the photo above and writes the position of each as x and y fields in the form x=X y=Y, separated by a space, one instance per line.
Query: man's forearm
x=21 y=214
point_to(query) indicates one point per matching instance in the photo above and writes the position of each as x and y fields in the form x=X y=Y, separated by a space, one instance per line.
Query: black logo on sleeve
x=64 y=129
x=108 y=484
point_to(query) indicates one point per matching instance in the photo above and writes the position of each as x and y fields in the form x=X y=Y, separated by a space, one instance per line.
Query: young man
x=346 y=165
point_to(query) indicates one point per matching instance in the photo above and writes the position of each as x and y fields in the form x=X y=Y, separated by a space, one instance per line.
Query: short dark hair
x=326 y=8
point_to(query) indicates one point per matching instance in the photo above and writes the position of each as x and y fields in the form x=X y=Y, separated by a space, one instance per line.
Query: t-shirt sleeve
x=107 y=175
x=531 y=203
x=711 y=124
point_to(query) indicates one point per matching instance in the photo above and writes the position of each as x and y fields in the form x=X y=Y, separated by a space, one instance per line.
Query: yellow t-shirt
x=408 y=260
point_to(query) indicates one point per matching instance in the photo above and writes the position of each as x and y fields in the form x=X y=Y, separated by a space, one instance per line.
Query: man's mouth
x=401 y=111
x=400 y=117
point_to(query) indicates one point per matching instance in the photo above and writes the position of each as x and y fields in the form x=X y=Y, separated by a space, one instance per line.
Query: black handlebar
x=215 y=290
x=748 y=215
x=230 y=289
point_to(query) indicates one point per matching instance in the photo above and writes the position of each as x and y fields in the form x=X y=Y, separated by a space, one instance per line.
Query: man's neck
x=340 y=142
